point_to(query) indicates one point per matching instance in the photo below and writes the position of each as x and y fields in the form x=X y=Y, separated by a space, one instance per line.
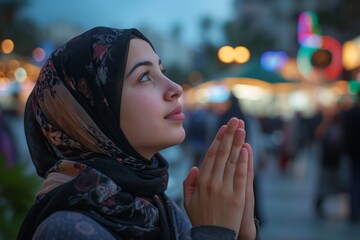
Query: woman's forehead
x=140 y=48
x=141 y=51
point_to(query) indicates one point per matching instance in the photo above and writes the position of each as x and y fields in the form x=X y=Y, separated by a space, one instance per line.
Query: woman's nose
x=174 y=91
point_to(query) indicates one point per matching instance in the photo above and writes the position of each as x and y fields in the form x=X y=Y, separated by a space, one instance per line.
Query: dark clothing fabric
x=109 y=201
x=351 y=125
x=66 y=225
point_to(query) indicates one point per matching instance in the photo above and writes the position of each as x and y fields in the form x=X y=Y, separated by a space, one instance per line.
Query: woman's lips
x=176 y=114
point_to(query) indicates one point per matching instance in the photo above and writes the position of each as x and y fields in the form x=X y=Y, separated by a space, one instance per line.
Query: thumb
x=190 y=185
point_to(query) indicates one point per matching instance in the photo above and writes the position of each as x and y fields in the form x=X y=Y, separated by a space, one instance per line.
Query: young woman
x=100 y=112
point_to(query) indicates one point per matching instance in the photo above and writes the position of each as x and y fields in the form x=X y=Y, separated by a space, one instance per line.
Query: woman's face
x=151 y=116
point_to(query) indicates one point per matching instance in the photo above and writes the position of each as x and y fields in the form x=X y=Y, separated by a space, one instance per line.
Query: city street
x=287 y=205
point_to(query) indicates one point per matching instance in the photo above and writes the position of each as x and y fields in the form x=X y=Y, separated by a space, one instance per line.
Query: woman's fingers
x=216 y=194
x=232 y=162
x=250 y=174
x=240 y=176
x=211 y=153
x=249 y=192
x=224 y=151
x=247 y=228
x=241 y=124
x=189 y=185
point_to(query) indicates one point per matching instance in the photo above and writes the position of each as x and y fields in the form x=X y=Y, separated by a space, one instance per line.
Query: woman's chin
x=182 y=135
x=177 y=139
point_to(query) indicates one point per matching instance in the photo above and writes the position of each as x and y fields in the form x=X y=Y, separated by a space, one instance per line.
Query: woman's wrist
x=251 y=233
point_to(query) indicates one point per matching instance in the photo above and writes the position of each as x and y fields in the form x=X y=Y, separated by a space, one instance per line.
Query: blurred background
x=290 y=69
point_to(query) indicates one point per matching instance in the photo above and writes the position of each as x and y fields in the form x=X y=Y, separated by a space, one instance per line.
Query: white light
x=20 y=74
x=242 y=91
x=202 y=95
x=326 y=97
x=299 y=100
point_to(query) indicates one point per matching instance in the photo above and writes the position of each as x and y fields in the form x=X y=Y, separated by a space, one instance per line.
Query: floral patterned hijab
x=72 y=125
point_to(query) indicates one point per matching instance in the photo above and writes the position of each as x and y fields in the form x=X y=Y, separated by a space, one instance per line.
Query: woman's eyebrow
x=139 y=64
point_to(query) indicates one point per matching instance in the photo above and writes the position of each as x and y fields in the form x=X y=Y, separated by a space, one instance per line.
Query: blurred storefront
x=266 y=93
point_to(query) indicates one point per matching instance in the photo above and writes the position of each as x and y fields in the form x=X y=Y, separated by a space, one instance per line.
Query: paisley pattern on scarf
x=79 y=94
x=72 y=125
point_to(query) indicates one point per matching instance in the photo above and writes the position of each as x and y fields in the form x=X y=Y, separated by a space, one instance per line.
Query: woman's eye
x=145 y=77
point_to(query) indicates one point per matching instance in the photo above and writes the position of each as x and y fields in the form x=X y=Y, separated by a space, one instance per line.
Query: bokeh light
x=242 y=54
x=334 y=68
x=38 y=54
x=20 y=74
x=351 y=54
x=273 y=60
x=226 y=54
x=7 y=46
x=308 y=25
x=218 y=93
x=239 y=54
x=354 y=86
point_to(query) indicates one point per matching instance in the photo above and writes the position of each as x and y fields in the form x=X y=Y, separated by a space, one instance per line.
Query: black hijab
x=72 y=126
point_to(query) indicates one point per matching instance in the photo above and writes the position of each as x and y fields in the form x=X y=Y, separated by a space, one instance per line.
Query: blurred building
x=278 y=19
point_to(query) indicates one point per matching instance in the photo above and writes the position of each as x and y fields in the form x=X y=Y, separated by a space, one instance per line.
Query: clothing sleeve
x=182 y=225
x=71 y=225
x=212 y=233
x=185 y=231
x=215 y=232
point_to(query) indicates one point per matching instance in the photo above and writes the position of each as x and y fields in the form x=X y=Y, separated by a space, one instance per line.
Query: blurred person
x=99 y=114
x=312 y=124
x=330 y=136
x=202 y=126
x=291 y=144
x=213 y=110
x=196 y=133
x=257 y=141
x=233 y=110
x=351 y=126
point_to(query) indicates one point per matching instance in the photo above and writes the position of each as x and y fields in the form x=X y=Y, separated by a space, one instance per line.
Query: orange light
x=7 y=46
x=242 y=54
x=226 y=54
